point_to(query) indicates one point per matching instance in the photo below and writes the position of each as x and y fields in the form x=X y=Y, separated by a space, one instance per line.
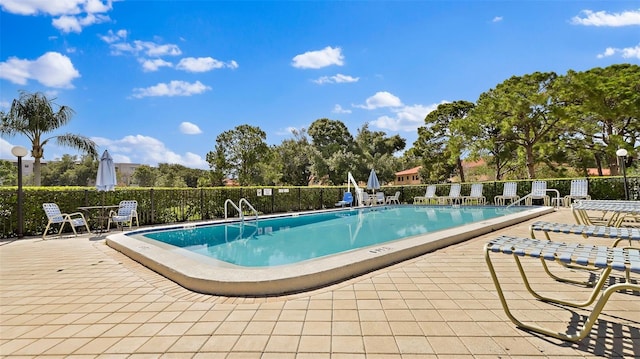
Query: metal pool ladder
x=239 y=208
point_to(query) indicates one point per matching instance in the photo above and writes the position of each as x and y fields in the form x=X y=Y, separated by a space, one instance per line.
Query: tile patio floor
x=77 y=298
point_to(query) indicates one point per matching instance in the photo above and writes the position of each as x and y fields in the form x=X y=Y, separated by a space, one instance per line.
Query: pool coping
x=208 y=276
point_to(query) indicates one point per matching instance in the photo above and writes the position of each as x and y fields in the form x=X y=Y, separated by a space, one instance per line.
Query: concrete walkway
x=74 y=297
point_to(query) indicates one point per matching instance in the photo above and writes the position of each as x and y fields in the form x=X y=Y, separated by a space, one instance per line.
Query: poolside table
x=102 y=211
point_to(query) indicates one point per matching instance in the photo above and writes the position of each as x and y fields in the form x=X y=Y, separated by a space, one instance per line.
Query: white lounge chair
x=579 y=190
x=393 y=199
x=429 y=196
x=625 y=260
x=618 y=233
x=127 y=212
x=475 y=196
x=538 y=191
x=509 y=193
x=54 y=215
x=454 y=195
x=612 y=213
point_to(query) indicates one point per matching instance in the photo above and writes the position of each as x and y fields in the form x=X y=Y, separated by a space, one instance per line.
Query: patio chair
x=454 y=195
x=538 y=191
x=347 y=200
x=54 y=215
x=429 y=196
x=608 y=259
x=127 y=212
x=579 y=190
x=475 y=196
x=393 y=199
x=380 y=198
x=509 y=193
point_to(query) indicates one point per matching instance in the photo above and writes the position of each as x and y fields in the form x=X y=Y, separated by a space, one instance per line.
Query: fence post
x=153 y=214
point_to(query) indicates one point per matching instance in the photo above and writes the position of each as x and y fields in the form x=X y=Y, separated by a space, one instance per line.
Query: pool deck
x=75 y=297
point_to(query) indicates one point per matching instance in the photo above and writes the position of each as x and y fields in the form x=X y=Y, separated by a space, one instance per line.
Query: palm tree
x=33 y=116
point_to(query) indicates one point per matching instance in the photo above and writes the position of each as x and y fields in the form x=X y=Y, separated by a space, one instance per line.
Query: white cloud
x=51 y=69
x=497 y=19
x=602 y=18
x=339 y=109
x=319 y=59
x=406 y=118
x=119 y=46
x=189 y=128
x=112 y=37
x=336 y=79
x=173 y=88
x=72 y=15
x=76 y=23
x=203 y=64
x=148 y=150
x=153 y=65
x=627 y=53
x=381 y=99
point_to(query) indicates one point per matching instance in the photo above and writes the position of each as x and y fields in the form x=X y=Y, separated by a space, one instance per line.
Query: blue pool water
x=291 y=239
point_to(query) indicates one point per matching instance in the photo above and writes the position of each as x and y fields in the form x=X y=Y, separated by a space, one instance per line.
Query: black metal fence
x=173 y=205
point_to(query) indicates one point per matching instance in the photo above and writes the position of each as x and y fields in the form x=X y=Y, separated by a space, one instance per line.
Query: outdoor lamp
x=20 y=152
x=622 y=156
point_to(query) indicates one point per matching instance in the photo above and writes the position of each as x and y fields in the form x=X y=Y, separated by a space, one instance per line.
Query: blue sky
x=157 y=81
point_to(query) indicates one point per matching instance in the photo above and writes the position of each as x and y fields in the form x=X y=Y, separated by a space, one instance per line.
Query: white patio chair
x=54 y=215
x=454 y=195
x=393 y=199
x=429 y=196
x=475 y=196
x=538 y=191
x=509 y=193
x=579 y=190
x=127 y=212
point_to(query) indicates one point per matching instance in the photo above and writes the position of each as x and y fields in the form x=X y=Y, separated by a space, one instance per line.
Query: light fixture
x=622 y=157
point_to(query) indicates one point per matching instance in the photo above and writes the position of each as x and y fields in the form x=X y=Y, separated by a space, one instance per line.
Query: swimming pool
x=296 y=252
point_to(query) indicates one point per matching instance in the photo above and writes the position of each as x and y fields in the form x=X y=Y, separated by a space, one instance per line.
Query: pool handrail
x=239 y=208
x=244 y=200
x=555 y=203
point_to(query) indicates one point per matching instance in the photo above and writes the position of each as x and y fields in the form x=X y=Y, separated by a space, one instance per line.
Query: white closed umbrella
x=106 y=179
x=372 y=182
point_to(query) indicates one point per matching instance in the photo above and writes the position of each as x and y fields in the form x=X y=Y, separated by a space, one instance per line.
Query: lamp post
x=20 y=152
x=622 y=157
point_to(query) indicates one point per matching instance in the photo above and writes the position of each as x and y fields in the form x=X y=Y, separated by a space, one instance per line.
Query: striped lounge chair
x=609 y=260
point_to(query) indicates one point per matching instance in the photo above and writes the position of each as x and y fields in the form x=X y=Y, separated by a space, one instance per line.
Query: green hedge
x=172 y=205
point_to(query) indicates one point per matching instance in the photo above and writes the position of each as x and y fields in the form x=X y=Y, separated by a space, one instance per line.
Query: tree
x=145 y=176
x=8 y=173
x=69 y=171
x=605 y=106
x=440 y=141
x=238 y=153
x=482 y=131
x=34 y=116
x=526 y=109
x=294 y=159
x=331 y=141
x=378 y=151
